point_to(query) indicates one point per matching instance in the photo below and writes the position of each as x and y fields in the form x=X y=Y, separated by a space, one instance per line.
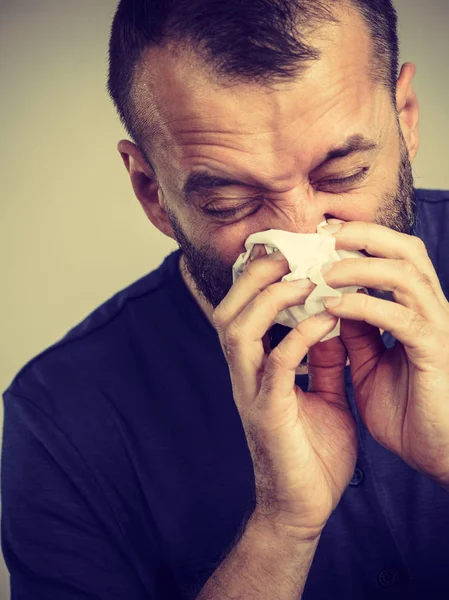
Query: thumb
x=364 y=345
x=326 y=365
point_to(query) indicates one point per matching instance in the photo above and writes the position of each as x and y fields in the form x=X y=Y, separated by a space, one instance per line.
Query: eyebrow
x=198 y=182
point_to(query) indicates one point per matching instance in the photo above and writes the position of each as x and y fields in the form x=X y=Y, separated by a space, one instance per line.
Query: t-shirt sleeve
x=54 y=544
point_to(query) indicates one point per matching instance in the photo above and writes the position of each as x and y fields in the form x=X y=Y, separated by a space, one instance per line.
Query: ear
x=145 y=186
x=408 y=108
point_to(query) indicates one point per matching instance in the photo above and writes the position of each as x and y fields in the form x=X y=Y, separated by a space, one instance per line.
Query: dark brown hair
x=241 y=41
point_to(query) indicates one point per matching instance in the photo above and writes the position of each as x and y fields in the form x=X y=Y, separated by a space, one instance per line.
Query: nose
x=301 y=210
x=301 y=223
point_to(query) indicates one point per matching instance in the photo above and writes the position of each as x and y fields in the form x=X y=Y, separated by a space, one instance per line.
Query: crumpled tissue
x=306 y=254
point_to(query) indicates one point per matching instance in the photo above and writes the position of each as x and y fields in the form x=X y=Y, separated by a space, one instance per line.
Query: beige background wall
x=72 y=232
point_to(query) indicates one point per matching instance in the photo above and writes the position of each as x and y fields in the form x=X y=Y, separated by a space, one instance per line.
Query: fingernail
x=331 y=301
x=332 y=228
x=277 y=256
x=333 y=221
x=326 y=268
x=302 y=283
x=256 y=252
x=325 y=316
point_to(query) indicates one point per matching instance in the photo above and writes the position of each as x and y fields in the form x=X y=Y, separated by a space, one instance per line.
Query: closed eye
x=339 y=183
x=345 y=181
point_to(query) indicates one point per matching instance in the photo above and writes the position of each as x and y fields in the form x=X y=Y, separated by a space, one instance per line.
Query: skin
x=267 y=143
x=279 y=137
x=280 y=142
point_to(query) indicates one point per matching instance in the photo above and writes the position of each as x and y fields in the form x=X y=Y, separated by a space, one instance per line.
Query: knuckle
x=269 y=299
x=419 y=245
x=227 y=353
x=409 y=269
x=425 y=280
x=350 y=263
x=232 y=336
x=418 y=325
x=412 y=322
x=250 y=269
x=218 y=316
x=216 y=319
x=285 y=354
x=276 y=358
x=268 y=379
x=366 y=302
x=401 y=321
x=412 y=271
x=365 y=233
x=229 y=347
x=271 y=293
x=229 y=340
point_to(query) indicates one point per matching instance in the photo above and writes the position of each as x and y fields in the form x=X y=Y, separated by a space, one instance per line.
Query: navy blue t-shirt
x=126 y=474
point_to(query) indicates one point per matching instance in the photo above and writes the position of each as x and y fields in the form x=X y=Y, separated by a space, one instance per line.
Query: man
x=166 y=447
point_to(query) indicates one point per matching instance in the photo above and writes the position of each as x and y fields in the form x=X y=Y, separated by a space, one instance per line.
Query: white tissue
x=306 y=254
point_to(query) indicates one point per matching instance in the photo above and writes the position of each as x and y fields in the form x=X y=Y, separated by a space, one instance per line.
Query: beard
x=212 y=278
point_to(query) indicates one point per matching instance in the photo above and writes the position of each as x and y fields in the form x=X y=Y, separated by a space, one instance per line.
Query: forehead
x=278 y=130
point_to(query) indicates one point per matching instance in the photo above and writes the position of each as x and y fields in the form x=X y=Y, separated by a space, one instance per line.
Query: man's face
x=276 y=142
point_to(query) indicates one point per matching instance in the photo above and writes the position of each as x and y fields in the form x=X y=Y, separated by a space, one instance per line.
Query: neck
x=207 y=308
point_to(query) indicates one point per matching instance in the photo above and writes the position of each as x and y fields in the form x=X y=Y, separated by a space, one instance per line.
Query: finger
x=364 y=345
x=258 y=274
x=278 y=379
x=326 y=367
x=400 y=277
x=383 y=242
x=242 y=340
x=410 y=328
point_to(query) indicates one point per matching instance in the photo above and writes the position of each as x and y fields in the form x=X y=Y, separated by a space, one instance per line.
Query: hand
x=402 y=393
x=303 y=445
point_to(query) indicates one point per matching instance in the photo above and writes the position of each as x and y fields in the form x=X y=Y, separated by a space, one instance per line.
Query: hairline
x=376 y=76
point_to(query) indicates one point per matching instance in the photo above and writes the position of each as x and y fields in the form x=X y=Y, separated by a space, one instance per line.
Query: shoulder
x=432 y=196
x=76 y=374
x=430 y=206
x=432 y=226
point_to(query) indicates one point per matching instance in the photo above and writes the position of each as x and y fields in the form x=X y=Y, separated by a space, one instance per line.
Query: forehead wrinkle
x=197 y=133
x=201 y=181
x=181 y=90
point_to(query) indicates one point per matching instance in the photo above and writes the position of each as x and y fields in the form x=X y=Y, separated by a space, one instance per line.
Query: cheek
x=229 y=242
x=359 y=205
x=226 y=242
x=214 y=241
